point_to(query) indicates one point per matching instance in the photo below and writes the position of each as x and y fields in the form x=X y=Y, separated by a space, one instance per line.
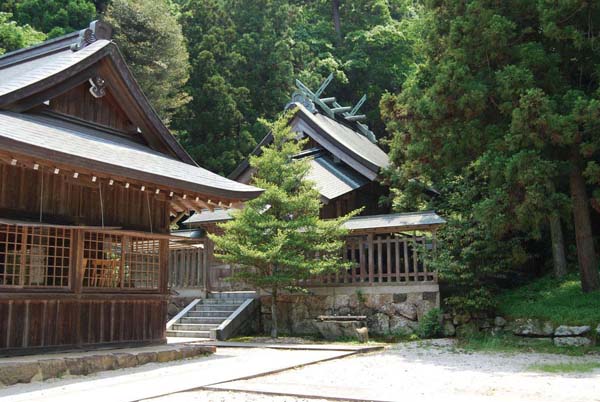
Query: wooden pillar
x=208 y=249
x=371 y=247
x=163 y=258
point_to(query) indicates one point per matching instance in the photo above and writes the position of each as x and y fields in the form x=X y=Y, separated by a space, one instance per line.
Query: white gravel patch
x=426 y=371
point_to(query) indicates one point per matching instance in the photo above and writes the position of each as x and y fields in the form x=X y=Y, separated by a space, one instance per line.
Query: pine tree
x=510 y=91
x=278 y=239
x=151 y=40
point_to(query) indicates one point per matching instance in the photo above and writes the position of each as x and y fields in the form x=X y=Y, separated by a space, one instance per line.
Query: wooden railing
x=383 y=259
x=188 y=267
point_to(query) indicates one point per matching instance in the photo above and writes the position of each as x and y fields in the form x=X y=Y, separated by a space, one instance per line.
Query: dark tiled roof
x=333 y=179
x=353 y=148
x=53 y=139
x=207 y=216
x=17 y=76
x=406 y=221
x=351 y=141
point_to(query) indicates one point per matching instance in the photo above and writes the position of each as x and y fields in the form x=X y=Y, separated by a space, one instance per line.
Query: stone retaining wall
x=13 y=372
x=393 y=310
x=529 y=329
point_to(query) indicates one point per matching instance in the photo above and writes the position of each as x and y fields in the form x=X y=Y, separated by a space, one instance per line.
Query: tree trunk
x=335 y=5
x=586 y=255
x=274 y=313
x=558 y=246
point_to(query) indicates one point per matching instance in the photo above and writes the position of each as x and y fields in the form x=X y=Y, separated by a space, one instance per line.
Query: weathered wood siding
x=70 y=201
x=45 y=321
x=79 y=103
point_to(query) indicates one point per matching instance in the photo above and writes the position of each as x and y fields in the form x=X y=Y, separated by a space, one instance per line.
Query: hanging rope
x=149 y=211
x=41 y=193
x=101 y=204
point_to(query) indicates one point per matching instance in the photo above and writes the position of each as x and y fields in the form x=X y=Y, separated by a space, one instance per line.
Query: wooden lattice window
x=143 y=262
x=34 y=256
x=119 y=261
x=102 y=260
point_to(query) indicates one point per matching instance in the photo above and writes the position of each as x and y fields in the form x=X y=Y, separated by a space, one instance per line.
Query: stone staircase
x=207 y=315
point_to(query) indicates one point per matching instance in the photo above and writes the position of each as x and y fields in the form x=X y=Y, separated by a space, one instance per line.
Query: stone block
x=499 y=321
x=408 y=310
x=448 y=328
x=125 y=360
x=18 y=373
x=78 y=366
x=146 y=357
x=402 y=326
x=572 y=341
x=399 y=297
x=532 y=327
x=423 y=307
x=430 y=297
x=333 y=330
x=53 y=368
x=414 y=297
x=164 y=356
x=565 y=330
x=379 y=324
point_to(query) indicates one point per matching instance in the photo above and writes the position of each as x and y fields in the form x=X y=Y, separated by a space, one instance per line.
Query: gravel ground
x=228 y=396
x=432 y=371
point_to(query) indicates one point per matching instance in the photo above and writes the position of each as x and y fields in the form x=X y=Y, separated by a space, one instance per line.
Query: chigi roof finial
x=330 y=106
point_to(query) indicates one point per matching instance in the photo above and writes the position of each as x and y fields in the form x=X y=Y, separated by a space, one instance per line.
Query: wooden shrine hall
x=90 y=179
x=346 y=164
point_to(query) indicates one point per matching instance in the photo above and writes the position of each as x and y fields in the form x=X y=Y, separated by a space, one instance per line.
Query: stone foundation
x=390 y=310
x=13 y=371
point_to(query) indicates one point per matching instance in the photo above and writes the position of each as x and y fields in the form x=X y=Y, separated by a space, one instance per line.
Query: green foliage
x=571 y=367
x=500 y=108
x=278 y=239
x=151 y=40
x=14 y=36
x=246 y=55
x=559 y=301
x=430 y=326
x=54 y=17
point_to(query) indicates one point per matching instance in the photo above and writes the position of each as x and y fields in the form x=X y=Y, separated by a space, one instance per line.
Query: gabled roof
x=29 y=77
x=351 y=147
x=333 y=179
x=62 y=142
x=33 y=71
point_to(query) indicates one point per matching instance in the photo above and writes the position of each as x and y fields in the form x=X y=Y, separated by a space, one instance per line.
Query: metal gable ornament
x=301 y=98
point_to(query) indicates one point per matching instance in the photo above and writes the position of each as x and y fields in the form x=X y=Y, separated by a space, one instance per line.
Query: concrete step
x=231 y=295
x=202 y=320
x=189 y=334
x=221 y=301
x=193 y=327
x=217 y=307
x=222 y=314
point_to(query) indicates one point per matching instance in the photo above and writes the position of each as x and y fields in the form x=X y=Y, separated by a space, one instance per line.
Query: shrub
x=430 y=325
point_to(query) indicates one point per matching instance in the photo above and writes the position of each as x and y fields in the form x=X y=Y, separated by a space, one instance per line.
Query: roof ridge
x=75 y=40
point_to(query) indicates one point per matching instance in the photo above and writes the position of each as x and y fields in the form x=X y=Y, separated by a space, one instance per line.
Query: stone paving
x=153 y=380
